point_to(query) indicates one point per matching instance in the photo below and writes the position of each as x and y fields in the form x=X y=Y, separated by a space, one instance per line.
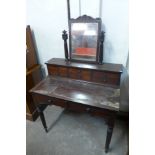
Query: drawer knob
x=49 y=101
x=87 y=109
x=105 y=79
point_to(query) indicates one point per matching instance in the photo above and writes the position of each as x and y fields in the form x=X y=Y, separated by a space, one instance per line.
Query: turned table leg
x=41 y=114
x=110 y=124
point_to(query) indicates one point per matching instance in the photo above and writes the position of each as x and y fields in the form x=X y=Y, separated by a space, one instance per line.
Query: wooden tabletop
x=87 y=93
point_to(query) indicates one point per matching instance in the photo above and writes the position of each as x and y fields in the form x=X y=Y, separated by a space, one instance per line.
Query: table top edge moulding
x=78 y=91
x=110 y=67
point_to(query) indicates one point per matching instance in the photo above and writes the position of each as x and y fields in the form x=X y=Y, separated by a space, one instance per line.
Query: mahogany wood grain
x=99 y=75
x=81 y=92
x=63 y=71
x=53 y=70
x=86 y=75
x=110 y=67
x=74 y=73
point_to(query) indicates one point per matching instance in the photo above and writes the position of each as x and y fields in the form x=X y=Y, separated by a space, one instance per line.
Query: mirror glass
x=84 y=41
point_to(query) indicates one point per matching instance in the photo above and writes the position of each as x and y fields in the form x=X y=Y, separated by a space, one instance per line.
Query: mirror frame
x=85 y=19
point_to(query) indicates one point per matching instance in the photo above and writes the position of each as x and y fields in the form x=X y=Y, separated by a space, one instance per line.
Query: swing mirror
x=84 y=38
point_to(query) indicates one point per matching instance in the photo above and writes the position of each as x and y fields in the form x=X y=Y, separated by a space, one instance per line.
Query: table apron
x=43 y=99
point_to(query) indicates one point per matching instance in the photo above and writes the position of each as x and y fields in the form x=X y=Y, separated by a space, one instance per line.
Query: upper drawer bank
x=106 y=73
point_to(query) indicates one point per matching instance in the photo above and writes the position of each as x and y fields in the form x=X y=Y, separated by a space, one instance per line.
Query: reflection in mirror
x=84 y=41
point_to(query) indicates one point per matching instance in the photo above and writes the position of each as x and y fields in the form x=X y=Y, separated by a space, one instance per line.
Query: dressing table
x=82 y=82
x=81 y=87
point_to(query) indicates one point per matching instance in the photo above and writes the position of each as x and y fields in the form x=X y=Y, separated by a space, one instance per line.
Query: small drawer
x=106 y=78
x=59 y=102
x=112 y=75
x=100 y=77
x=113 y=78
x=41 y=99
x=99 y=112
x=74 y=73
x=86 y=75
x=88 y=109
x=113 y=81
x=53 y=70
x=78 y=107
x=63 y=71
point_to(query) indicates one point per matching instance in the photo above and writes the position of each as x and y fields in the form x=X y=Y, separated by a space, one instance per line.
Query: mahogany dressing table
x=81 y=87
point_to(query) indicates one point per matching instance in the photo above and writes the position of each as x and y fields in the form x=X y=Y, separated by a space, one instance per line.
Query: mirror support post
x=65 y=37
x=68 y=8
x=101 y=47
